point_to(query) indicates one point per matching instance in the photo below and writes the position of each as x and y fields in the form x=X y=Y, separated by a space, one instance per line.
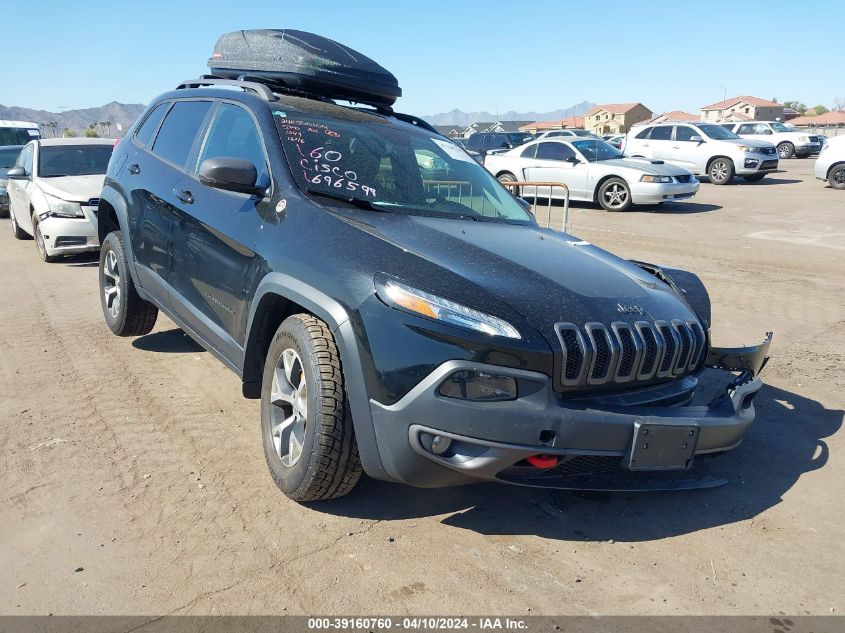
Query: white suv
x=788 y=141
x=54 y=189
x=706 y=149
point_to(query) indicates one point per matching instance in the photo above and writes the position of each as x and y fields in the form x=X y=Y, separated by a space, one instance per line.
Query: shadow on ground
x=786 y=441
x=173 y=341
x=83 y=260
x=542 y=213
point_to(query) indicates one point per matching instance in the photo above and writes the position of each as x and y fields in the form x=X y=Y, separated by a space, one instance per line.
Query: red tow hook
x=542 y=461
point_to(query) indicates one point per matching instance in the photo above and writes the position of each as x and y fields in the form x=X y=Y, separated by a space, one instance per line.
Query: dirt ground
x=133 y=480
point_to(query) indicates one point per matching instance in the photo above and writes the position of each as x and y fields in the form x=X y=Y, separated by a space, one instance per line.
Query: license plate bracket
x=662 y=446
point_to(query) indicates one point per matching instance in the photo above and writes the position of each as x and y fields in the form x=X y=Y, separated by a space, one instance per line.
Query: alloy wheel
x=719 y=171
x=616 y=195
x=783 y=151
x=39 y=242
x=289 y=407
x=838 y=176
x=111 y=284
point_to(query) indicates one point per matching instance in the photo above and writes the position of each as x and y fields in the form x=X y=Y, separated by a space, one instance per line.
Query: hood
x=545 y=276
x=73 y=188
x=645 y=165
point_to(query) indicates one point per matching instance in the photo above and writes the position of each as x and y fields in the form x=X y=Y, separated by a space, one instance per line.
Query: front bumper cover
x=490 y=441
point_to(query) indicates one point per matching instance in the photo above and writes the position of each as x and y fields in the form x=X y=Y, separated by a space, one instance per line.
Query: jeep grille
x=598 y=354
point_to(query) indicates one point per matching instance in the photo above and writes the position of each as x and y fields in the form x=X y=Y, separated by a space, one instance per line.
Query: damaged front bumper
x=542 y=440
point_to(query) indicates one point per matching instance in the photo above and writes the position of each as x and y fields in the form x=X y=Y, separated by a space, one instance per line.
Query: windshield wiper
x=358 y=202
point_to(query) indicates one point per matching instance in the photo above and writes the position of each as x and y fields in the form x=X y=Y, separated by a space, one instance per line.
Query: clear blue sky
x=467 y=54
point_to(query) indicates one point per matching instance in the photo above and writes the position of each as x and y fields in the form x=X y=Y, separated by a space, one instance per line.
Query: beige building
x=615 y=118
x=743 y=109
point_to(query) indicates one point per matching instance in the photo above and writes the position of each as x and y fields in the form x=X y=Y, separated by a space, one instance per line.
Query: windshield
x=780 y=127
x=17 y=135
x=8 y=156
x=73 y=160
x=582 y=133
x=596 y=149
x=717 y=132
x=392 y=168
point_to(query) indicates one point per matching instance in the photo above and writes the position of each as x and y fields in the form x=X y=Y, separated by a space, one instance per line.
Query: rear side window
x=529 y=151
x=661 y=133
x=179 y=130
x=233 y=135
x=150 y=124
x=644 y=133
x=554 y=151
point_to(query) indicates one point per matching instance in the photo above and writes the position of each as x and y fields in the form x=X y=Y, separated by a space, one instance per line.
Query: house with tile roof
x=615 y=118
x=537 y=127
x=450 y=131
x=674 y=115
x=743 y=108
x=828 y=119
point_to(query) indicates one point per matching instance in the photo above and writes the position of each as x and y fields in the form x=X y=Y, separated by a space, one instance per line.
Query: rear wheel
x=506 y=176
x=126 y=313
x=615 y=195
x=836 y=177
x=754 y=177
x=40 y=244
x=721 y=171
x=786 y=150
x=306 y=428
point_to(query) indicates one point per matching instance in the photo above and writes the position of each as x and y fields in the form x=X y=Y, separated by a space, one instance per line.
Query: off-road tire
x=786 y=150
x=617 y=186
x=40 y=246
x=754 y=177
x=836 y=177
x=329 y=465
x=134 y=316
x=721 y=171
x=17 y=231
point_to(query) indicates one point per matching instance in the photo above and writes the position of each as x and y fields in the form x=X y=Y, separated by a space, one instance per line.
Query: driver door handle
x=185 y=196
x=135 y=169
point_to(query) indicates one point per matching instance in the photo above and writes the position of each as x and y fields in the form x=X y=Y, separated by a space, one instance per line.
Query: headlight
x=804 y=139
x=650 y=178
x=750 y=149
x=420 y=302
x=64 y=209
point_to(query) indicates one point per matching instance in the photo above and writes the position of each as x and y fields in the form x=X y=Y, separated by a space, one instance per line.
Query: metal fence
x=543 y=190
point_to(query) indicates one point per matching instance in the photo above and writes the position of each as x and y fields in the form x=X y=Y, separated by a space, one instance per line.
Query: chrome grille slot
x=685 y=348
x=652 y=350
x=670 y=353
x=699 y=339
x=606 y=354
x=575 y=354
x=630 y=351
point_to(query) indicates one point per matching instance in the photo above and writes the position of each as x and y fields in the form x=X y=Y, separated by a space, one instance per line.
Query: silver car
x=595 y=172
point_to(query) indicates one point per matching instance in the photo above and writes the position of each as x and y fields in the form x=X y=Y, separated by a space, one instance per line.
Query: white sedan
x=595 y=172
x=830 y=165
x=54 y=189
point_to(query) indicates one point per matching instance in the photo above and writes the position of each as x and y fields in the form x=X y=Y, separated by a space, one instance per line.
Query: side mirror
x=231 y=174
x=768 y=131
x=506 y=145
x=695 y=138
x=573 y=159
x=17 y=173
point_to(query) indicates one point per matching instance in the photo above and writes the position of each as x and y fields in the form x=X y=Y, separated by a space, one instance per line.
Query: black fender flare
x=336 y=316
x=688 y=286
x=117 y=202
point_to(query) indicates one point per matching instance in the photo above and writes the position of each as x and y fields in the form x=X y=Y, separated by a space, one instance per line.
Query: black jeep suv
x=393 y=306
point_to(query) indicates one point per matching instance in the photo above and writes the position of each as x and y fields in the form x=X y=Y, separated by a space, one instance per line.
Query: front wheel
x=17 y=231
x=615 y=195
x=754 y=177
x=721 y=171
x=40 y=244
x=786 y=150
x=126 y=313
x=306 y=428
x=836 y=177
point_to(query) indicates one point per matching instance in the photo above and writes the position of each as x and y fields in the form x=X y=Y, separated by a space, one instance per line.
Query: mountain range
x=115 y=113
x=125 y=114
x=459 y=117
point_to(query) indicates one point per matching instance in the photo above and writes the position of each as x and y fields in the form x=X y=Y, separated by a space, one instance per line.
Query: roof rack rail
x=261 y=89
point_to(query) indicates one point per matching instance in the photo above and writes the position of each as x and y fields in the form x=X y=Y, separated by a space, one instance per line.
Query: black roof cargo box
x=304 y=62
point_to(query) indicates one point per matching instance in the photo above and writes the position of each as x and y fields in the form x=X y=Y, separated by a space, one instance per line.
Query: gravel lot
x=133 y=480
